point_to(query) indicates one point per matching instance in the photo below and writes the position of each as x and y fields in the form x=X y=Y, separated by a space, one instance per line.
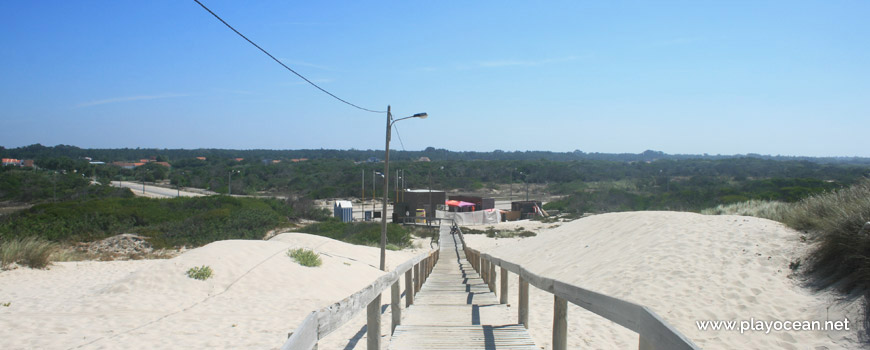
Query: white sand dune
x=256 y=296
x=686 y=267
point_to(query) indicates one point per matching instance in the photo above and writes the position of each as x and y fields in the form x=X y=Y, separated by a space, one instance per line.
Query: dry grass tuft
x=773 y=210
x=31 y=251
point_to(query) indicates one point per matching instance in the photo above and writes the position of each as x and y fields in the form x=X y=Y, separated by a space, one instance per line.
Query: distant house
x=127 y=165
x=27 y=163
x=164 y=164
x=200 y=158
x=96 y=163
x=11 y=161
x=373 y=160
x=424 y=159
x=239 y=159
x=145 y=160
x=297 y=160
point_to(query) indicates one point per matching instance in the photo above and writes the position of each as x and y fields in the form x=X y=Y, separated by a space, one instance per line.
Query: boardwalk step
x=506 y=337
x=458 y=315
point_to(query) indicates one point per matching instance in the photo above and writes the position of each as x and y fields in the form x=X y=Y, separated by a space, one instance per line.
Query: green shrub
x=305 y=257
x=29 y=251
x=201 y=273
x=167 y=223
x=835 y=220
x=364 y=233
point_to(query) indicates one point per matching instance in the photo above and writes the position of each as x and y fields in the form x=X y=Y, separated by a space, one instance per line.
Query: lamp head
x=420 y=115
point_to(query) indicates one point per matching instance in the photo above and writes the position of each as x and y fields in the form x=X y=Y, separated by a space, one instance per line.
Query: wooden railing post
x=373 y=324
x=416 y=277
x=560 y=323
x=409 y=287
x=503 y=298
x=523 y=312
x=484 y=270
x=395 y=308
x=491 y=277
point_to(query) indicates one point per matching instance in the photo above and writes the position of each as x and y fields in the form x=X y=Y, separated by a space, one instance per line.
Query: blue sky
x=728 y=77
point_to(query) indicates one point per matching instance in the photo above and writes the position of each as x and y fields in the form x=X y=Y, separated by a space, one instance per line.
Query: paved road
x=154 y=191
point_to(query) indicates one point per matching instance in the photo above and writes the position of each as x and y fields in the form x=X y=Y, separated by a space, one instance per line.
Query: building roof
x=422 y=191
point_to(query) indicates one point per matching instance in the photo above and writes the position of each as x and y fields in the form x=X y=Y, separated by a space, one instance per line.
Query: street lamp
x=390 y=123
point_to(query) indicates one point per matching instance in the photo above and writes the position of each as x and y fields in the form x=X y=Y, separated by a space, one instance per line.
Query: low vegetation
x=167 y=223
x=201 y=273
x=491 y=232
x=773 y=210
x=364 y=233
x=27 y=251
x=305 y=257
x=684 y=193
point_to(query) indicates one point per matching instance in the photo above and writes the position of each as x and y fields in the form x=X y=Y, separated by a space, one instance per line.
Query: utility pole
x=374 y=195
x=512 y=185
x=363 y=198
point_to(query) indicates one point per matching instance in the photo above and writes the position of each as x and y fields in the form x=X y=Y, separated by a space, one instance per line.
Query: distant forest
x=585 y=182
x=38 y=151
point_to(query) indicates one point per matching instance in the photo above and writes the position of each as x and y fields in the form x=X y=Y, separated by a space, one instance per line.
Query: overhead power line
x=282 y=63
x=400 y=137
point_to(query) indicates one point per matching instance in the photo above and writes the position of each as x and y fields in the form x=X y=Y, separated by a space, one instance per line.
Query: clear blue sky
x=726 y=77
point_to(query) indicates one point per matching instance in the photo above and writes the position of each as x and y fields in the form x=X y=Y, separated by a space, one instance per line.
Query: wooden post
x=524 y=303
x=409 y=287
x=425 y=271
x=492 y=277
x=395 y=308
x=484 y=270
x=416 y=277
x=373 y=325
x=644 y=344
x=503 y=298
x=560 y=323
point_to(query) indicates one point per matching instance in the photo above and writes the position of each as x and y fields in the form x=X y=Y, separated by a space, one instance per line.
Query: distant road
x=154 y=191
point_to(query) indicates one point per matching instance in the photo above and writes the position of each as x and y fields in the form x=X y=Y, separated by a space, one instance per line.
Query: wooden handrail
x=320 y=323
x=654 y=332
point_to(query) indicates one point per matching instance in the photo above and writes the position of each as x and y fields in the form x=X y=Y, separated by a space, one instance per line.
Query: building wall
x=422 y=200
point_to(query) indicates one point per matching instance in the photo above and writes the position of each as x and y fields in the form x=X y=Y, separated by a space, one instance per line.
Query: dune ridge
x=686 y=267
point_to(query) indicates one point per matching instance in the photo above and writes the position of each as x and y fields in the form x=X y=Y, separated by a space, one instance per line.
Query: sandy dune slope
x=256 y=296
x=686 y=267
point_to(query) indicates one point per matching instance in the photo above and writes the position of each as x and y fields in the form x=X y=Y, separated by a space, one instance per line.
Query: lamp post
x=390 y=123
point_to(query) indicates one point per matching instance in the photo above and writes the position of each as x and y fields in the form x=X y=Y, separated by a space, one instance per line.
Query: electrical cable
x=282 y=63
x=400 y=137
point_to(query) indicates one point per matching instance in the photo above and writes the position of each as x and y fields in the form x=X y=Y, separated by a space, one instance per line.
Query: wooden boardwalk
x=455 y=309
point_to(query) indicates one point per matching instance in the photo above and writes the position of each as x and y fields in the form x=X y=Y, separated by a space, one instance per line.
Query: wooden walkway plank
x=456 y=309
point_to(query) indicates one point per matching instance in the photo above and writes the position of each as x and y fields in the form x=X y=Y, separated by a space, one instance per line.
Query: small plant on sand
x=201 y=273
x=30 y=251
x=6 y=304
x=393 y=247
x=305 y=257
x=795 y=265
